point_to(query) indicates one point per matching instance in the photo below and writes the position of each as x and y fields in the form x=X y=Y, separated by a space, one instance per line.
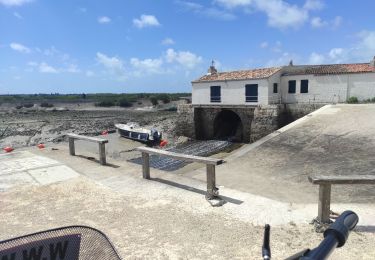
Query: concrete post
x=324 y=203
x=102 y=158
x=72 y=150
x=146 y=166
x=212 y=191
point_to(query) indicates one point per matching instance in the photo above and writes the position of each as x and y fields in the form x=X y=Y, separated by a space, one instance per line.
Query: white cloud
x=14 y=2
x=264 y=45
x=316 y=58
x=168 y=41
x=283 y=60
x=211 y=12
x=104 y=19
x=184 y=58
x=73 y=68
x=146 y=21
x=313 y=5
x=89 y=73
x=18 y=15
x=113 y=64
x=19 y=47
x=362 y=51
x=234 y=3
x=45 y=68
x=32 y=63
x=147 y=65
x=317 y=22
x=280 y=13
x=336 y=53
x=337 y=21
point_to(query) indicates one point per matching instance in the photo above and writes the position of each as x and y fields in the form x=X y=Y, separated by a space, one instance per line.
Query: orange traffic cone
x=8 y=149
x=163 y=143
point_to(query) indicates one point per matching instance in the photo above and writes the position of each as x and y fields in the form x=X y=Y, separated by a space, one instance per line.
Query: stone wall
x=185 y=124
x=265 y=121
x=257 y=121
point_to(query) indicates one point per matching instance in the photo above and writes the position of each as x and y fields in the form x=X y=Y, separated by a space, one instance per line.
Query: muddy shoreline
x=31 y=127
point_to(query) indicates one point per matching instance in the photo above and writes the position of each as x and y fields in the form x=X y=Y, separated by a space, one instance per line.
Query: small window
x=292 y=87
x=215 y=94
x=274 y=87
x=251 y=92
x=304 y=86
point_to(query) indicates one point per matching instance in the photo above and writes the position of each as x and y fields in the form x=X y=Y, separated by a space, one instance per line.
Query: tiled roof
x=328 y=69
x=240 y=75
x=289 y=70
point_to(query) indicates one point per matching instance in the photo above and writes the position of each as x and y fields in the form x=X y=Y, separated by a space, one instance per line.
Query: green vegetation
x=124 y=102
x=105 y=103
x=98 y=97
x=164 y=97
x=352 y=100
x=154 y=100
x=46 y=104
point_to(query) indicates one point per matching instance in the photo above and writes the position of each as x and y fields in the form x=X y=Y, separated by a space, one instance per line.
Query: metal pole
x=146 y=166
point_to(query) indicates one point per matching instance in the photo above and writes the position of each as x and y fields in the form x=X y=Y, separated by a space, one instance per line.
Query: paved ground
x=168 y=218
x=338 y=140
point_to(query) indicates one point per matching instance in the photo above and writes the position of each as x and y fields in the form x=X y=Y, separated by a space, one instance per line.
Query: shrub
x=352 y=100
x=165 y=98
x=124 y=102
x=46 y=104
x=373 y=99
x=171 y=109
x=28 y=105
x=154 y=100
x=105 y=103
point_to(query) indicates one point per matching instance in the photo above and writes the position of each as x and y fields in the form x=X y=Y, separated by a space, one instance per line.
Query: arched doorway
x=228 y=126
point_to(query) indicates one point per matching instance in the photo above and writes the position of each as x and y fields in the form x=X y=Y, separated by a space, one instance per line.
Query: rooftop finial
x=212 y=70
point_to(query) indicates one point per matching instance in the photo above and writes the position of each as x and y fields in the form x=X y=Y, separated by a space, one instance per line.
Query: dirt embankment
x=30 y=127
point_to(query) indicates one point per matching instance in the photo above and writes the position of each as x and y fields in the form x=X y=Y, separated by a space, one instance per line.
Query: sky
x=132 y=46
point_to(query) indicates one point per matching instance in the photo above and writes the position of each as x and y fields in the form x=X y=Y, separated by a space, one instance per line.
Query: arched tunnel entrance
x=228 y=125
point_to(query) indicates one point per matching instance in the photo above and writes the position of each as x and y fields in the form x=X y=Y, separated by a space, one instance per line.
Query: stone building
x=246 y=105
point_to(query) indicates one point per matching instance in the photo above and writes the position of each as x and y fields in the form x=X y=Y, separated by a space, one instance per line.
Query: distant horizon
x=161 y=46
x=92 y=93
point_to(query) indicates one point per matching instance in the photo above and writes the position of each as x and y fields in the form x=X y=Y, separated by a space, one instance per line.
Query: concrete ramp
x=335 y=140
x=25 y=168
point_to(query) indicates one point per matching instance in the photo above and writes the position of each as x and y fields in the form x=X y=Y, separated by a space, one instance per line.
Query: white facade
x=232 y=92
x=331 y=88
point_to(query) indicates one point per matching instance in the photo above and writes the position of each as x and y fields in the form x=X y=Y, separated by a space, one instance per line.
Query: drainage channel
x=198 y=148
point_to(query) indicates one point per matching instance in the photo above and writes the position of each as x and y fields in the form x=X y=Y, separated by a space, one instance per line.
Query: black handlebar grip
x=341 y=227
x=266 y=250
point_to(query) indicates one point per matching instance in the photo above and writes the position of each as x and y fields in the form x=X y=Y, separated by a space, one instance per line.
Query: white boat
x=135 y=132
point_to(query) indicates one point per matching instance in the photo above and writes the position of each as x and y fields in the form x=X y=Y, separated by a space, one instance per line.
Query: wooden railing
x=325 y=183
x=100 y=141
x=212 y=190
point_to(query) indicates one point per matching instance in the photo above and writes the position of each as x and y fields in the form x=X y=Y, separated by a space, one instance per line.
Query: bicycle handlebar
x=334 y=236
x=266 y=250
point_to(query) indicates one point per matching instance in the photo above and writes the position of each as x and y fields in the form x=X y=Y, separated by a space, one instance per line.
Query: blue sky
x=76 y=46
